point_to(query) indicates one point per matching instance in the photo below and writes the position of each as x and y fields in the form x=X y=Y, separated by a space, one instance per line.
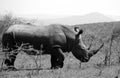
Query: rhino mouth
x=84 y=60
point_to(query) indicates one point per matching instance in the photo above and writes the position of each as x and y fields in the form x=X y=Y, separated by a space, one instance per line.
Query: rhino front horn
x=93 y=52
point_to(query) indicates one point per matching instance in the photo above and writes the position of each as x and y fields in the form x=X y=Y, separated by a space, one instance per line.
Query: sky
x=59 y=7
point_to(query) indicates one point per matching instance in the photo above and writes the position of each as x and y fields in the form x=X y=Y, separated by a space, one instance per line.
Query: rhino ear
x=76 y=29
x=79 y=31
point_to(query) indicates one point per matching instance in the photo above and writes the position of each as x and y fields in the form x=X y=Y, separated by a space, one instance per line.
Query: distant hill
x=115 y=17
x=72 y=20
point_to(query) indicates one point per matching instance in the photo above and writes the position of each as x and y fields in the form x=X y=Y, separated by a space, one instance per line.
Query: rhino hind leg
x=57 y=58
x=9 y=62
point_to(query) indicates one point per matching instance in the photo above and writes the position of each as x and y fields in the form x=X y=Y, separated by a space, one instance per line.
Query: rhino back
x=37 y=35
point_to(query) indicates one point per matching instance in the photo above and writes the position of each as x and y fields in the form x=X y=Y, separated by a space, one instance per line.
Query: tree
x=116 y=37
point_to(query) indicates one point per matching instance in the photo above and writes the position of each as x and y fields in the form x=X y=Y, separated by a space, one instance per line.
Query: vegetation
x=105 y=64
x=8 y=20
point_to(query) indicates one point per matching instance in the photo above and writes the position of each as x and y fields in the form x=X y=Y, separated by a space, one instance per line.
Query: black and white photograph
x=59 y=39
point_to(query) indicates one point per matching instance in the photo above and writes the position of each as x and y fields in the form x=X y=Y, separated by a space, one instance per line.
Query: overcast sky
x=60 y=7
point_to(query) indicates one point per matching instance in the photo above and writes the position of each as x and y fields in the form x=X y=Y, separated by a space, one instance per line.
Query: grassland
x=105 y=64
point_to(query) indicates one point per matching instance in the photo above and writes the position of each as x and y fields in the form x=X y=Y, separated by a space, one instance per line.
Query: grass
x=26 y=69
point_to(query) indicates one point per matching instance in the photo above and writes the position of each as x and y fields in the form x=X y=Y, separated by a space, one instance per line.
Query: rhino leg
x=10 y=61
x=53 y=61
x=57 y=58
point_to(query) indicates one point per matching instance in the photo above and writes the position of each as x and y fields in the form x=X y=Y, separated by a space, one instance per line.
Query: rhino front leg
x=53 y=61
x=57 y=58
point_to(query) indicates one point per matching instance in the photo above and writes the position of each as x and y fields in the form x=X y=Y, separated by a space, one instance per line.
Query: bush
x=7 y=20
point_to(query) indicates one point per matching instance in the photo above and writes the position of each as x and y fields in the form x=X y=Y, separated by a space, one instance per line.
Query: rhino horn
x=93 y=52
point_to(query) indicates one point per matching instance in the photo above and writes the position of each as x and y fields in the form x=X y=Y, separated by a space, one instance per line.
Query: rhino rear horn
x=89 y=47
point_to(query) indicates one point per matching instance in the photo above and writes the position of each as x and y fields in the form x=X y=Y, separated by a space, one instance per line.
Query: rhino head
x=81 y=53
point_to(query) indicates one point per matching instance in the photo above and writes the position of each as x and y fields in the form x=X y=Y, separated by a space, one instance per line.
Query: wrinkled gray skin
x=56 y=39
